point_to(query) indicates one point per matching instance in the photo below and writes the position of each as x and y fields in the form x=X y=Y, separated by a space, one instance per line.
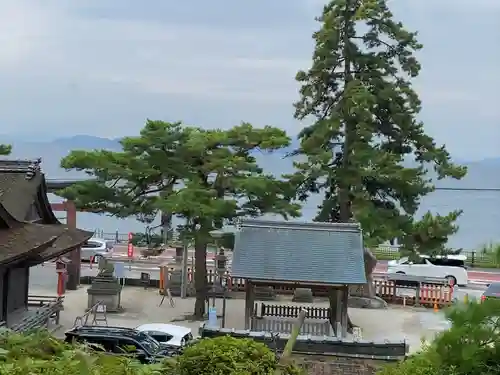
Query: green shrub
x=229 y=356
x=470 y=347
x=40 y=353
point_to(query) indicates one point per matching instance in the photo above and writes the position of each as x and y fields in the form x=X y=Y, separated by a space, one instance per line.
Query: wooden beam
x=58 y=206
x=64 y=206
x=249 y=303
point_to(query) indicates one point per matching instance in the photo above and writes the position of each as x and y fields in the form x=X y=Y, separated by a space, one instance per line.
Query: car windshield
x=149 y=343
x=403 y=260
x=493 y=290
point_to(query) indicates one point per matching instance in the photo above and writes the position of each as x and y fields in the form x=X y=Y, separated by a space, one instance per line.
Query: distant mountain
x=479 y=224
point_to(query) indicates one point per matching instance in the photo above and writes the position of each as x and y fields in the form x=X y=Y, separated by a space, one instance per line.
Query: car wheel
x=451 y=280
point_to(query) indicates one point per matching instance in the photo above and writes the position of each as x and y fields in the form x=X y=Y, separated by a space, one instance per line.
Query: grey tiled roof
x=299 y=252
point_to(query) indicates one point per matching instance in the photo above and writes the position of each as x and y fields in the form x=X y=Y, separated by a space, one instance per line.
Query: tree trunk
x=334 y=300
x=166 y=226
x=200 y=274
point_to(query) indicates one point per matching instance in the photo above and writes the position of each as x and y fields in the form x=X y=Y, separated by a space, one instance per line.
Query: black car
x=120 y=341
x=493 y=291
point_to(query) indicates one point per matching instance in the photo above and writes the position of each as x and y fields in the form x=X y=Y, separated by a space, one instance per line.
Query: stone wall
x=326 y=355
x=336 y=365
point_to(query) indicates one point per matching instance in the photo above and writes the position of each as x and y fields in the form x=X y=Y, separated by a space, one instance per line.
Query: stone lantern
x=218 y=288
x=220 y=257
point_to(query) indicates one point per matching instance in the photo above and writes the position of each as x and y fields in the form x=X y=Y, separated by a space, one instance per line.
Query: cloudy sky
x=101 y=67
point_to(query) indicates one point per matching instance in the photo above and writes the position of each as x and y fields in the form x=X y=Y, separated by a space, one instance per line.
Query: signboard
x=212 y=317
x=119 y=270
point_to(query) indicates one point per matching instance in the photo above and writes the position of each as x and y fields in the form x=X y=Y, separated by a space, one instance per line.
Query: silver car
x=93 y=248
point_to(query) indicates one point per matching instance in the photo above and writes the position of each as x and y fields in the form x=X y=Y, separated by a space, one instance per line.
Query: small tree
x=430 y=234
x=5 y=150
x=207 y=177
x=470 y=346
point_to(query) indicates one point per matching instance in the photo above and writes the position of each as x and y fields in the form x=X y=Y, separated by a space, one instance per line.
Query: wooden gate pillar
x=74 y=266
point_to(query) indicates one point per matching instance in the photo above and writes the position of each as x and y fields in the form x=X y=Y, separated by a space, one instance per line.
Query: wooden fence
x=426 y=295
x=290 y=311
x=281 y=318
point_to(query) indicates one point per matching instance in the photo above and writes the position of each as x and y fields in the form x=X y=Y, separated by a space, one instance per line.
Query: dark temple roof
x=29 y=229
x=323 y=253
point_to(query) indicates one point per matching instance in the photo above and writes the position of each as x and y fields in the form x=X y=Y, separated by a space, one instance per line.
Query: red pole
x=60 y=282
x=130 y=249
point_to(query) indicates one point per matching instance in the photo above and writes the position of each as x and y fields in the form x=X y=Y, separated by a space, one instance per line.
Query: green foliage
x=365 y=150
x=234 y=356
x=229 y=356
x=470 y=346
x=5 y=150
x=207 y=177
x=40 y=353
x=147 y=240
x=430 y=234
x=491 y=251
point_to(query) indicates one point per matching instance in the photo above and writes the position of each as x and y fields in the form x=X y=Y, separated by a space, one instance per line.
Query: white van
x=451 y=267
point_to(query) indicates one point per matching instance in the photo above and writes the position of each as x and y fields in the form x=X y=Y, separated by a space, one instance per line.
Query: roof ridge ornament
x=33 y=168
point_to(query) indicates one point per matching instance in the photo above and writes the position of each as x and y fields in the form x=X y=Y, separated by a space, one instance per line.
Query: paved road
x=45 y=277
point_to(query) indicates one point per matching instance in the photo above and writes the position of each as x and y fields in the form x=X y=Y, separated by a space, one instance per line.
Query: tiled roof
x=325 y=253
x=70 y=239
x=22 y=184
x=18 y=186
x=16 y=242
x=51 y=240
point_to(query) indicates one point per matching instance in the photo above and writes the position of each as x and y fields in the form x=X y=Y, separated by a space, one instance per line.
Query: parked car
x=168 y=334
x=451 y=267
x=93 y=248
x=493 y=292
x=120 y=341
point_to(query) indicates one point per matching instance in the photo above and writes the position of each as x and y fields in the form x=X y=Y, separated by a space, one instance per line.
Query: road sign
x=119 y=270
x=130 y=250
x=130 y=236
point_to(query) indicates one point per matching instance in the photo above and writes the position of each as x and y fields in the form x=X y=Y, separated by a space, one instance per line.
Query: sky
x=101 y=67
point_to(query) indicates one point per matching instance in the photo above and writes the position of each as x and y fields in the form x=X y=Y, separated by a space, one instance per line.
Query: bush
x=229 y=356
x=470 y=347
x=40 y=353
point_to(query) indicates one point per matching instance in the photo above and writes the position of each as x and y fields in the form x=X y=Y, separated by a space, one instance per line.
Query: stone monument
x=105 y=288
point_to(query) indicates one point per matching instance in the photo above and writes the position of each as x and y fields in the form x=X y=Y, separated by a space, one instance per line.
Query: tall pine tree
x=366 y=150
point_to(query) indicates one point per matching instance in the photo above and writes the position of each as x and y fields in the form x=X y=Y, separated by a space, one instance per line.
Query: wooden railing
x=291 y=311
x=49 y=309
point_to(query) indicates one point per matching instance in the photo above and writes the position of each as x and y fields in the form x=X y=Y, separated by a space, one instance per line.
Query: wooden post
x=344 y=315
x=60 y=282
x=249 y=302
x=287 y=352
x=74 y=265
